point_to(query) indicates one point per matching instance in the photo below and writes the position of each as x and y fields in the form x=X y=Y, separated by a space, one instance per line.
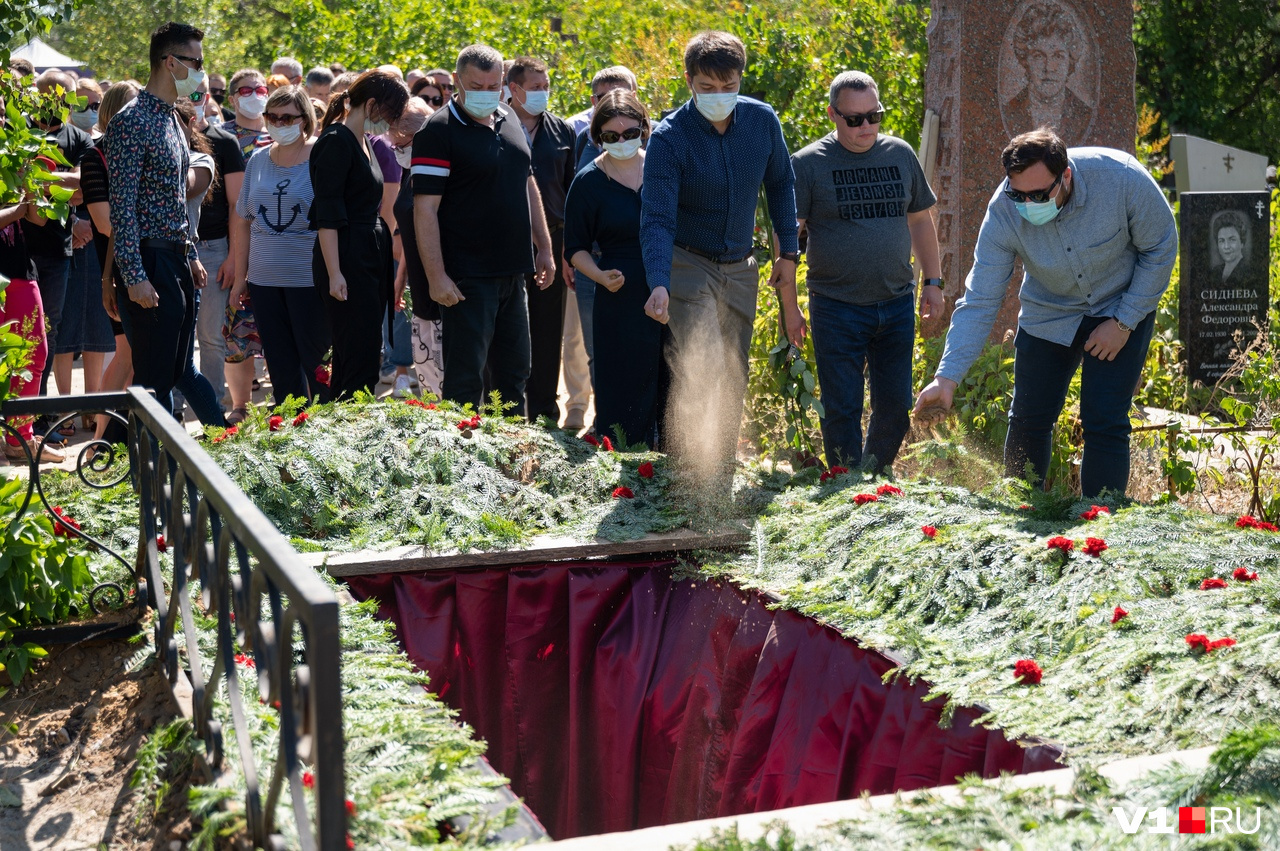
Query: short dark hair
x=1038 y=146
x=480 y=56
x=716 y=54
x=524 y=65
x=614 y=103
x=319 y=77
x=169 y=37
x=22 y=67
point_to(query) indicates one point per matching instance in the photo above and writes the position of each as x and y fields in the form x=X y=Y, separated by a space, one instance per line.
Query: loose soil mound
x=81 y=716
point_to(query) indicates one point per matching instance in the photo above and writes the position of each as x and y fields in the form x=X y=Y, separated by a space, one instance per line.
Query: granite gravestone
x=998 y=68
x=1225 y=259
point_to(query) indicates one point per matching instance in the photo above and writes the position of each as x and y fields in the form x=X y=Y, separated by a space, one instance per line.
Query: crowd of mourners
x=443 y=232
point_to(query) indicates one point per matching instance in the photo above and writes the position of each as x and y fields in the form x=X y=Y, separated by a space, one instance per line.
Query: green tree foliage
x=1212 y=69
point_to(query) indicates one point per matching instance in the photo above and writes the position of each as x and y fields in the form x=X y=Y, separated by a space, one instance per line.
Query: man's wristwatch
x=1123 y=327
x=934 y=282
x=793 y=256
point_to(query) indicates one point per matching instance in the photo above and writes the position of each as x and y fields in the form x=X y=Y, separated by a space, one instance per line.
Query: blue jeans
x=1042 y=374
x=849 y=339
x=584 y=290
x=401 y=353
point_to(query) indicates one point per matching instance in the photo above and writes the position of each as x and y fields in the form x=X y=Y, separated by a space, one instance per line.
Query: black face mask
x=218 y=98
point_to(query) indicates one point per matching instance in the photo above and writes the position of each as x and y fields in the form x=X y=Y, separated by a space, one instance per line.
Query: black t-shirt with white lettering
x=482 y=175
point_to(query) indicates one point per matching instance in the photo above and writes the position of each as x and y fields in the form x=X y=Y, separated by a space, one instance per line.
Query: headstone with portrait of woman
x=1225 y=260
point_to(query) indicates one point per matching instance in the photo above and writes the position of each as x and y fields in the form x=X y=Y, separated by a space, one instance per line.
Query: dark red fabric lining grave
x=616 y=697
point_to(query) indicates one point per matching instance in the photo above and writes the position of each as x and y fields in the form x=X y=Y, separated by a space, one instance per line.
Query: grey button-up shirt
x=1109 y=252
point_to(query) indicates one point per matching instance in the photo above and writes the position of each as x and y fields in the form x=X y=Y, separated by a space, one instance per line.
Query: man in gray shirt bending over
x=1098 y=242
x=865 y=201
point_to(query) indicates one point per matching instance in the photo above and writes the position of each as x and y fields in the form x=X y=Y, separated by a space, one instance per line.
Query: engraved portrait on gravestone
x=1049 y=74
x=1230 y=244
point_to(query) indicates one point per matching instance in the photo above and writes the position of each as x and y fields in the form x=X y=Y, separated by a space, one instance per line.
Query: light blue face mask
x=481 y=104
x=1038 y=213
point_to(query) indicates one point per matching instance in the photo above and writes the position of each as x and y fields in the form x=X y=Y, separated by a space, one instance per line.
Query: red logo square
x=1191 y=820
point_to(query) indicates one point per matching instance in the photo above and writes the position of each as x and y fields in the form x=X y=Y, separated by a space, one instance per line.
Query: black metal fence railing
x=266 y=602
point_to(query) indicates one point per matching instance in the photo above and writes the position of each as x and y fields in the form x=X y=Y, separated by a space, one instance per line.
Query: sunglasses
x=216 y=92
x=610 y=137
x=1036 y=196
x=281 y=120
x=245 y=91
x=93 y=107
x=448 y=87
x=437 y=101
x=857 y=118
x=195 y=60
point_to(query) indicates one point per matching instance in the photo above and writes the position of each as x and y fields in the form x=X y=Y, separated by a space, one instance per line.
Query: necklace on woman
x=619 y=177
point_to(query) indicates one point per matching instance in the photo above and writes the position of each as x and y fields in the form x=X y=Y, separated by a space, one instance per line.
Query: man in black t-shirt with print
x=865 y=201
x=475 y=205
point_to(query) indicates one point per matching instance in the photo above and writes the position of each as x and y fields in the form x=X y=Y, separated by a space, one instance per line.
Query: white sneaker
x=403 y=388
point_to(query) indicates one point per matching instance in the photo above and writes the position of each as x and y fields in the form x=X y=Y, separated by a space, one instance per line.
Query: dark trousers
x=1042 y=374
x=355 y=327
x=546 y=333
x=163 y=337
x=295 y=338
x=51 y=278
x=848 y=341
x=490 y=326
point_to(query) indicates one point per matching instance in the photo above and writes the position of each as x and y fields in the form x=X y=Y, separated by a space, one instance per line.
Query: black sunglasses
x=285 y=120
x=1036 y=196
x=857 y=118
x=610 y=137
x=437 y=101
x=199 y=63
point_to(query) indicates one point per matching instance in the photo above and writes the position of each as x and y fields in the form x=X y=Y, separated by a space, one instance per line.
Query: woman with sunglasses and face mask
x=247 y=93
x=274 y=246
x=87 y=119
x=603 y=208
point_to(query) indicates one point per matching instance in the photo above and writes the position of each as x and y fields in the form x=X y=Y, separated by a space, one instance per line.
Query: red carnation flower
x=351 y=845
x=69 y=525
x=929 y=531
x=1094 y=511
x=1061 y=543
x=323 y=374
x=301 y=418
x=415 y=402
x=1202 y=641
x=230 y=432
x=351 y=807
x=646 y=470
x=1220 y=642
x=1118 y=615
x=1247 y=522
x=607 y=444
x=1214 y=582
x=888 y=490
x=308 y=780
x=160 y=544
x=864 y=498
x=1243 y=574
x=832 y=473
x=247 y=661
x=275 y=422
x=623 y=493
x=1094 y=547
x=591 y=438
x=1025 y=507
x=1028 y=672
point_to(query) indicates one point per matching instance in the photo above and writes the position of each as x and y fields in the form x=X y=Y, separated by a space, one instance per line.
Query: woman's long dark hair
x=387 y=89
x=186 y=111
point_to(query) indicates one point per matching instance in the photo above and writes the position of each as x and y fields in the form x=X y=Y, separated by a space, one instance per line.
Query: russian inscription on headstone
x=1225 y=257
x=998 y=68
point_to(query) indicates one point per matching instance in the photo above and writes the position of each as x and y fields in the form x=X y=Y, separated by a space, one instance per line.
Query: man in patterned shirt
x=147 y=160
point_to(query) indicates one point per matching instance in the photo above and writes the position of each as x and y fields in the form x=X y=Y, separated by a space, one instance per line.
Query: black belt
x=714 y=258
x=164 y=245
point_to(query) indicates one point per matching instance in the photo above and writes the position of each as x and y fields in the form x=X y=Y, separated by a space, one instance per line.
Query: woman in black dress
x=351 y=265
x=603 y=207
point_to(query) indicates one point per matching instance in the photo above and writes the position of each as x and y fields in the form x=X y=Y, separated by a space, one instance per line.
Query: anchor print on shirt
x=280 y=226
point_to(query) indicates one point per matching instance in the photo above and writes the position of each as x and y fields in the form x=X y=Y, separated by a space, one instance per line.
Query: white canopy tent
x=44 y=57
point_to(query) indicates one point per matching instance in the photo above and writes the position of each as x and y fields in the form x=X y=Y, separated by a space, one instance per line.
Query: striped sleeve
x=430 y=165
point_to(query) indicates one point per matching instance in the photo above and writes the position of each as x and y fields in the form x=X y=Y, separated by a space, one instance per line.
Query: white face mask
x=506 y=94
x=286 y=135
x=535 y=103
x=376 y=128
x=624 y=150
x=404 y=157
x=84 y=119
x=252 y=106
x=716 y=107
x=481 y=104
x=186 y=88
